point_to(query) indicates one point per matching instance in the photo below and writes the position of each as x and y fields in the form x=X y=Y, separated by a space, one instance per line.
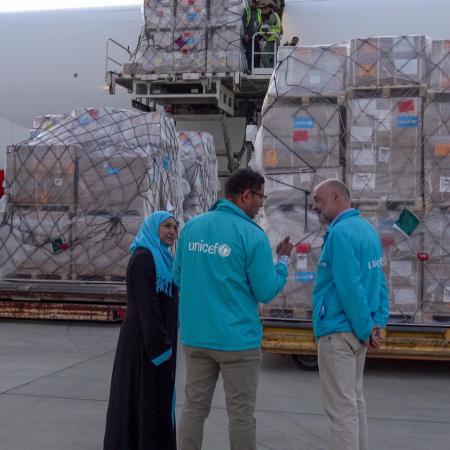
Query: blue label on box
x=303 y=122
x=112 y=170
x=305 y=277
x=84 y=119
x=408 y=121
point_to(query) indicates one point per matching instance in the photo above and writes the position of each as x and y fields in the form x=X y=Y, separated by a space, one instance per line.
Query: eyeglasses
x=261 y=196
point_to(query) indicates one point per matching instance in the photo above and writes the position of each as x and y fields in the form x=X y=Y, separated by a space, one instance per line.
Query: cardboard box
x=384 y=149
x=309 y=70
x=388 y=61
x=439 y=77
x=300 y=136
x=40 y=175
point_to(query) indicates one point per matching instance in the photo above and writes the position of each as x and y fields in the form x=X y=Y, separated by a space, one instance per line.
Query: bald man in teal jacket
x=350 y=307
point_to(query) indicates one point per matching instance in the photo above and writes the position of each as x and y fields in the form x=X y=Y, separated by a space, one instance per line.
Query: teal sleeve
x=162 y=357
x=176 y=270
x=345 y=264
x=382 y=314
x=266 y=279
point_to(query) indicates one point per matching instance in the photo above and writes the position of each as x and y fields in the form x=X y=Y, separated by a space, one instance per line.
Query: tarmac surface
x=54 y=387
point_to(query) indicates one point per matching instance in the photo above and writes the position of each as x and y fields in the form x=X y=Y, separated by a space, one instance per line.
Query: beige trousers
x=240 y=372
x=341 y=367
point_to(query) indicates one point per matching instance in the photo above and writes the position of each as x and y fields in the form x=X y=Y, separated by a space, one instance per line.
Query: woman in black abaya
x=141 y=410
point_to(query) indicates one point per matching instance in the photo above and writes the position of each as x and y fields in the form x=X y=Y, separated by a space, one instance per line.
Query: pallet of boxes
x=189 y=36
x=388 y=139
x=78 y=190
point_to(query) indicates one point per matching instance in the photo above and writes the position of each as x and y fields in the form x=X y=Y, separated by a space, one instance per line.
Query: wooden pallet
x=412 y=90
x=389 y=205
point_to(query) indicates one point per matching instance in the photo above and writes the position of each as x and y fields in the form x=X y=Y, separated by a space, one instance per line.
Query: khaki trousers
x=341 y=367
x=240 y=372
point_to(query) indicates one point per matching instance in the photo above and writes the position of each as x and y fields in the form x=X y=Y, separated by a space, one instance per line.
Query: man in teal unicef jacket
x=224 y=268
x=350 y=306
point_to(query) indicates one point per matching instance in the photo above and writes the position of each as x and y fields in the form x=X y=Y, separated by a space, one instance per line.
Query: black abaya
x=141 y=413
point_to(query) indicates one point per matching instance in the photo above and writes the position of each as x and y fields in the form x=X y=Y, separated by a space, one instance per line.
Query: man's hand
x=375 y=338
x=284 y=247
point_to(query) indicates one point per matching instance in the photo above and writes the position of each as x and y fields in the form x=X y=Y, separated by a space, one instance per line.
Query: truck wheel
x=306 y=362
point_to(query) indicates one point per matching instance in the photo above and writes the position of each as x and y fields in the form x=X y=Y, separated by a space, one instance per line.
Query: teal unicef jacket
x=350 y=292
x=224 y=268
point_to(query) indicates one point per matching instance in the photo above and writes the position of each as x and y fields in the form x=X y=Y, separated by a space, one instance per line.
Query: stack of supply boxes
x=389 y=140
x=384 y=154
x=80 y=188
x=298 y=146
x=190 y=36
x=200 y=170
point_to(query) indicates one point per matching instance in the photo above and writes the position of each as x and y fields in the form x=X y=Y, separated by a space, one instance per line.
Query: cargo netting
x=374 y=113
x=180 y=36
x=78 y=190
x=198 y=156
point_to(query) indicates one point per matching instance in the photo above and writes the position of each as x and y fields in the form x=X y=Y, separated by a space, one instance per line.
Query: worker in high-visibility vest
x=252 y=20
x=271 y=24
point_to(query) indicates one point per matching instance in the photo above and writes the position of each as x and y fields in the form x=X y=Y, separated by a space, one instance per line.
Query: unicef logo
x=224 y=250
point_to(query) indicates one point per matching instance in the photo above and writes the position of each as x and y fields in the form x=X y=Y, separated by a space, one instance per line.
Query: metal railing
x=267 y=59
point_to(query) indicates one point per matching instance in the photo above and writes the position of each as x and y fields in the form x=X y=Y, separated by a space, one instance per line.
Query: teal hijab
x=148 y=237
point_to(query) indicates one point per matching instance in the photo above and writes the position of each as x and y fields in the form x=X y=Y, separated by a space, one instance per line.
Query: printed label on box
x=447 y=294
x=442 y=149
x=444 y=184
x=361 y=181
x=404 y=296
x=364 y=157
x=402 y=269
x=300 y=136
x=303 y=122
x=407 y=121
x=362 y=134
x=384 y=154
x=406 y=106
x=305 y=277
x=58 y=181
x=302 y=263
x=271 y=158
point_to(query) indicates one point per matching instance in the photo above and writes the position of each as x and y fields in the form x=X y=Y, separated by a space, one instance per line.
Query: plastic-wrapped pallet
x=384 y=145
x=82 y=187
x=189 y=36
x=436 y=129
x=309 y=70
x=388 y=61
x=198 y=156
x=439 y=77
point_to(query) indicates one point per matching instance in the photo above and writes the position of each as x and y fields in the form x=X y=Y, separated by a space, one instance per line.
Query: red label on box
x=300 y=135
x=303 y=247
x=406 y=106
